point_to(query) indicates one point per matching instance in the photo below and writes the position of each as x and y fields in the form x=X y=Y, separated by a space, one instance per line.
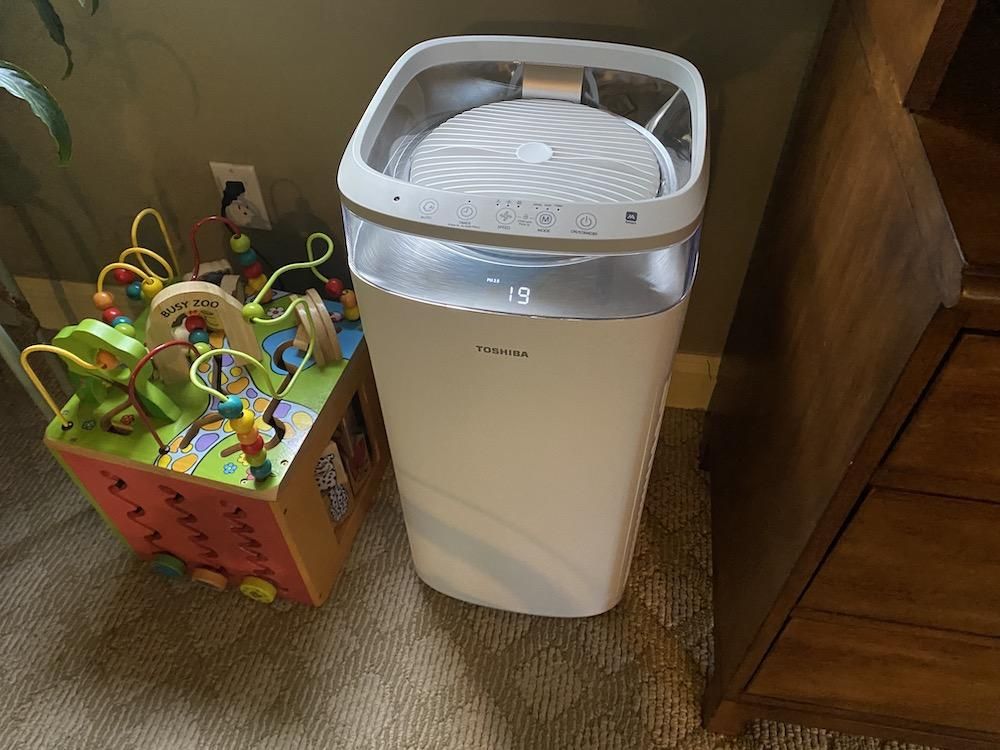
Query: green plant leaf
x=54 y=25
x=23 y=85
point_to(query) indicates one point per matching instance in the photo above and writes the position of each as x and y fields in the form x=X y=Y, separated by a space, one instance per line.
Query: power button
x=586 y=221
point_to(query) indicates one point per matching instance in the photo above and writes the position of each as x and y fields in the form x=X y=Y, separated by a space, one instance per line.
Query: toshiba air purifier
x=522 y=219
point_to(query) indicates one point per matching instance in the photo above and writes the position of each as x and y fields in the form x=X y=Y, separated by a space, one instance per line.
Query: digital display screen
x=521 y=296
x=517 y=294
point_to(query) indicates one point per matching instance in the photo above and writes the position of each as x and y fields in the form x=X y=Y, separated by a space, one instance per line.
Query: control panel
x=511 y=216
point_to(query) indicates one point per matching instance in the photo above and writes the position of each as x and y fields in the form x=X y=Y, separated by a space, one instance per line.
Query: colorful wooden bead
x=249 y=437
x=257 y=459
x=261 y=472
x=352 y=313
x=121 y=319
x=168 y=565
x=151 y=287
x=252 y=271
x=244 y=422
x=253 y=310
x=180 y=333
x=203 y=347
x=258 y=589
x=334 y=288
x=348 y=298
x=211 y=578
x=194 y=322
x=231 y=407
x=109 y=314
x=198 y=336
x=106 y=360
x=247 y=258
x=256 y=283
x=103 y=300
x=239 y=243
x=134 y=290
x=255 y=447
x=126 y=329
x=123 y=276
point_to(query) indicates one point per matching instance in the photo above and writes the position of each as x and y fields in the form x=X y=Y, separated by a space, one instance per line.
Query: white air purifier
x=522 y=218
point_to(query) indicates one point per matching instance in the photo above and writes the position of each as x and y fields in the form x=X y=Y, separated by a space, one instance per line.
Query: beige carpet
x=98 y=652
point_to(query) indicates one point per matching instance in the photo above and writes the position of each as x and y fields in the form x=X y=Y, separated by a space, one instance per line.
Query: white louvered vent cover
x=538 y=149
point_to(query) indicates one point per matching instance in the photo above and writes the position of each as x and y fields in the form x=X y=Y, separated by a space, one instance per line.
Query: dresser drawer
x=954 y=432
x=887 y=671
x=919 y=559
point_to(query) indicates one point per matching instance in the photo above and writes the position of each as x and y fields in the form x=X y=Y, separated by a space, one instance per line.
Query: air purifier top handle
x=529 y=222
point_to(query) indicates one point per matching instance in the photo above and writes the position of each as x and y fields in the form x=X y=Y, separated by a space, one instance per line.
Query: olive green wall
x=163 y=86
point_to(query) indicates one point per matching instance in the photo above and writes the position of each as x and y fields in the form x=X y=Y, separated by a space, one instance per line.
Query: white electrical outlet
x=240 y=192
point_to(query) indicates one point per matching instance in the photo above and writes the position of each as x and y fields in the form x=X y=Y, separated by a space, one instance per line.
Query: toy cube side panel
x=85 y=491
x=232 y=533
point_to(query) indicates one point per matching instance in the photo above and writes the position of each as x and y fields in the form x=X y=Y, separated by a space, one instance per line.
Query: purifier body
x=523 y=276
x=521 y=446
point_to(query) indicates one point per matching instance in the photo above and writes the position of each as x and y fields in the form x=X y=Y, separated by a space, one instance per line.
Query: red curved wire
x=194 y=241
x=134 y=399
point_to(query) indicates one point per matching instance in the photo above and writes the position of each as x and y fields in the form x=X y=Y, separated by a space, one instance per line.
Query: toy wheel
x=211 y=578
x=168 y=565
x=258 y=589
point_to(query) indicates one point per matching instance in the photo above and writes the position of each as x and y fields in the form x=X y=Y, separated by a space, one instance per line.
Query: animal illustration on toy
x=238 y=389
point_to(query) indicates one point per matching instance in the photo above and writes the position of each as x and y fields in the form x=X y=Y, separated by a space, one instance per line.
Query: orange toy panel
x=233 y=533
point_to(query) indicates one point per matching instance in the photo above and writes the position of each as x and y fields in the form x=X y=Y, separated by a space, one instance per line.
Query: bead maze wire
x=128 y=267
x=134 y=397
x=66 y=424
x=141 y=254
x=246 y=358
x=310 y=264
x=163 y=230
x=195 y=253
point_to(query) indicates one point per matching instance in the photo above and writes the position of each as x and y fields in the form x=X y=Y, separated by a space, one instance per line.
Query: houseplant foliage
x=20 y=83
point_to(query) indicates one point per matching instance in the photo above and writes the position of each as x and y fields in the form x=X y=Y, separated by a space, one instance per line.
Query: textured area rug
x=98 y=652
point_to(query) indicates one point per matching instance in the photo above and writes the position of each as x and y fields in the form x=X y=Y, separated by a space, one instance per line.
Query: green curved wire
x=310 y=264
x=247 y=359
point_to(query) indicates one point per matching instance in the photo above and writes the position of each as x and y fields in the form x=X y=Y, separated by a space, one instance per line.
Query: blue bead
x=247 y=259
x=198 y=336
x=263 y=471
x=134 y=290
x=231 y=408
x=121 y=319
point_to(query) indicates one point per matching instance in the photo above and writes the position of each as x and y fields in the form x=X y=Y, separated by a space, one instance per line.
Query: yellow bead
x=243 y=423
x=255 y=284
x=151 y=287
x=352 y=313
x=103 y=300
x=248 y=437
x=257 y=459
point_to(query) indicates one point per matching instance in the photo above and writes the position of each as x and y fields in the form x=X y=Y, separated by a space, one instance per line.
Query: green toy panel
x=214 y=452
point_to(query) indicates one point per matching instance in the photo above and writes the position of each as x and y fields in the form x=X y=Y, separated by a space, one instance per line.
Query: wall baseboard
x=62 y=303
x=692 y=381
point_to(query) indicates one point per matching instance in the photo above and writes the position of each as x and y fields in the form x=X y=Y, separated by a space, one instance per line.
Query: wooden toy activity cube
x=215 y=442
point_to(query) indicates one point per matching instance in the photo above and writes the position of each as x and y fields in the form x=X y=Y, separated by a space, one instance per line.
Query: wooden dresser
x=854 y=436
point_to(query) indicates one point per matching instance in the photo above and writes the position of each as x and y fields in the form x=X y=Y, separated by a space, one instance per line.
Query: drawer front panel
x=955 y=431
x=890 y=671
x=918 y=559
